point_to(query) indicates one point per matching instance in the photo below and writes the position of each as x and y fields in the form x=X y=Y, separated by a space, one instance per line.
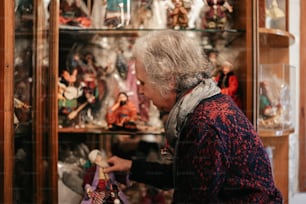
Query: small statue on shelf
x=74 y=13
x=275 y=16
x=98 y=13
x=212 y=55
x=142 y=14
x=23 y=114
x=122 y=115
x=194 y=13
x=266 y=108
x=100 y=187
x=179 y=15
x=81 y=89
x=216 y=14
x=228 y=82
x=273 y=110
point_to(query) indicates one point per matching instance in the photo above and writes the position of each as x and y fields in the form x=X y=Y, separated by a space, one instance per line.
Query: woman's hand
x=118 y=164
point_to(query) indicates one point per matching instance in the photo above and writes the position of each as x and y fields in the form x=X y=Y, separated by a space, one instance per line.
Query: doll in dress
x=228 y=82
x=123 y=114
x=216 y=13
x=98 y=186
x=74 y=13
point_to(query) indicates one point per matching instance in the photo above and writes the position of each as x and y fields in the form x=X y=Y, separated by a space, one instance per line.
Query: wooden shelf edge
x=275 y=133
x=275 y=37
x=104 y=131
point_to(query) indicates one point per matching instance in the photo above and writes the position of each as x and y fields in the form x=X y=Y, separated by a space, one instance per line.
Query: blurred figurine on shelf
x=18 y=104
x=271 y=111
x=216 y=14
x=213 y=59
x=178 y=15
x=98 y=13
x=275 y=16
x=228 y=82
x=117 y=13
x=194 y=13
x=83 y=90
x=67 y=93
x=74 y=13
x=142 y=14
x=100 y=187
x=122 y=115
x=121 y=64
x=266 y=109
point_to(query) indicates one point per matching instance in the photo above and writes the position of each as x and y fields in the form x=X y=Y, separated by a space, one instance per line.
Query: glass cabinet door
x=30 y=99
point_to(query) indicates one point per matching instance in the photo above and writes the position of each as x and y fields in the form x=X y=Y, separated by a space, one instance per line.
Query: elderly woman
x=217 y=156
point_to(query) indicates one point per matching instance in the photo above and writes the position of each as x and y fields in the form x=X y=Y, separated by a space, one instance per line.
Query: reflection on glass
x=23 y=85
x=275 y=14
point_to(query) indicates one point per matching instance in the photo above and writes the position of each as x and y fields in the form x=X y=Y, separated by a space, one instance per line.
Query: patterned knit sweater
x=219 y=159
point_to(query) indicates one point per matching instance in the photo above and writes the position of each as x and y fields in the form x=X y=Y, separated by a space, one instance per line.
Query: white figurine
x=194 y=13
x=98 y=13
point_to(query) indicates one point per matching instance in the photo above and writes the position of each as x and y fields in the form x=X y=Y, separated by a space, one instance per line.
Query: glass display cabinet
x=276 y=97
x=275 y=73
x=47 y=37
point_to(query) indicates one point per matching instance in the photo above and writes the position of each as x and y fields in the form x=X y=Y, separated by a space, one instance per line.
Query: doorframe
x=302 y=108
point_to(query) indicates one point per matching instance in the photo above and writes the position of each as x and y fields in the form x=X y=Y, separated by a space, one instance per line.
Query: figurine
x=179 y=15
x=266 y=109
x=142 y=15
x=121 y=64
x=194 y=13
x=74 y=13
x=275 y=16
x=98 y=13
x=122 y=115
x=216 y=16
x=212 y=55
x=271 y=111
x=117 y=13
x=18 y=104
x=98 y=186
x=228 y=82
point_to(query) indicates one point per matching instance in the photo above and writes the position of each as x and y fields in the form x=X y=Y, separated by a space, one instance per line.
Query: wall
x=294 y=28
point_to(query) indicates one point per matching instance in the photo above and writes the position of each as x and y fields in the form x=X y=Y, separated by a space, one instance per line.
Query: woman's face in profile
x=162 y=102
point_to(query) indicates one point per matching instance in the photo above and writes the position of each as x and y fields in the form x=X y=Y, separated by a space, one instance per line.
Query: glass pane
x=275 y=97
x=23 y=102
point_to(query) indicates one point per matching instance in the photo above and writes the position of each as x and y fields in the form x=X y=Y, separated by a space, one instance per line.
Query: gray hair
x=172 y=55
x=94 y=153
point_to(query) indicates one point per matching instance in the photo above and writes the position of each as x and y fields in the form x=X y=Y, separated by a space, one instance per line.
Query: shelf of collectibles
x=96 y=39
x=96 y=66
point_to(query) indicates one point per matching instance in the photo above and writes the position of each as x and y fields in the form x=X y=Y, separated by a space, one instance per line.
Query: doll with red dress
x=98 y=186
x=73 y=13
x=228 y=82
x=216 y=13
x=122 y=115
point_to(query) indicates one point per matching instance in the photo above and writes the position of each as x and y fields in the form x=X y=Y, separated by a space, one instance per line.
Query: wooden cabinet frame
x=6 y=103
x=302 y=108
x=45 y=115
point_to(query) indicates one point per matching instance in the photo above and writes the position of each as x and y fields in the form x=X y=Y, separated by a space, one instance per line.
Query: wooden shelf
x=275 y=133
x=103 y=131
x=275 y=38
